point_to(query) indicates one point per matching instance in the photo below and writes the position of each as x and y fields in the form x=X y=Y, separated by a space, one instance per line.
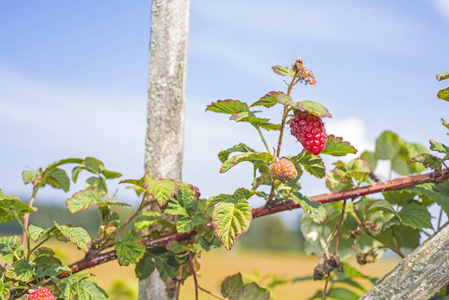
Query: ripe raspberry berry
x=284 y=170
x=310 y=131
x=41 y=294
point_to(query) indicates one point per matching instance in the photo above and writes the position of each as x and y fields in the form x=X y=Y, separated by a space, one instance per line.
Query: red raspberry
x=284 y=170
x=41 y=294
x=310 y=131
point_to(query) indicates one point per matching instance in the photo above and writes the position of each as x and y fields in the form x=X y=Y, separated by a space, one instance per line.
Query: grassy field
x=219 y=263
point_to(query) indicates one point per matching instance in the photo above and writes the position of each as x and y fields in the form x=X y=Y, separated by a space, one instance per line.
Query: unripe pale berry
x=284 y=170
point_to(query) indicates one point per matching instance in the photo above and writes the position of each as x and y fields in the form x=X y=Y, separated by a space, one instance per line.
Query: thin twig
x=325 y=287
x=197 y=286
x=339 y=227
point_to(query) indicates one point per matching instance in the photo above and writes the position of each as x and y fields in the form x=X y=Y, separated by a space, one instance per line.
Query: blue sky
x=73 y=79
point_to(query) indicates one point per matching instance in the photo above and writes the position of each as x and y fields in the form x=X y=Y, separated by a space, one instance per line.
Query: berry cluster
x=284 y=170
x=310 y=131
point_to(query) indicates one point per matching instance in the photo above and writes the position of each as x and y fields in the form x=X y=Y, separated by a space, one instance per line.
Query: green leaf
x=442 y=76
x=312 y=107
x=76 y=235
x=338 y=180
x=84 y=200
x=11 y=209
x=161 y=190
x=94 y=165
x=439 y=193
x=387 y=145
x=399 y=197
x=5 y=287
x=406 y=237
x=30 y=176
x=46 y=257
x=407 y=151
x=9 y=244
x=428 y=160
x=55 y=270
x=313 y=209
x=441 y=148
x=63 y=162
x=269 y=100
x=443 y=94
x=231 y=286
x=111 y=175
x=228 y=106
x=283 y=71
x=185 y=224
x=165 y=263
x=58 y=179
x=231 y=220
x=371 y=158
x=144 y=267
x=224 y=155
x=248 y=156
x=129 y=249
x=96 y=183
x=183 y=203
x=146 y=220
x=311 y=163
x=342 y=293
x=20 y=270
x=337 y=147
x=89 y=290
x=382 y=205
x=76 y=171
x=252 y=291
x=315 y=108
x=36 y=232
x=136 y=184
x=414 y=215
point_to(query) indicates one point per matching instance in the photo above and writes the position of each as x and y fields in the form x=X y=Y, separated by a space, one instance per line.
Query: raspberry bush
x=348 y=221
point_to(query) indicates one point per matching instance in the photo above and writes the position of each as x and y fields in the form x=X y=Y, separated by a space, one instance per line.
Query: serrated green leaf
x=283 y=71
x=228 y=106
x=443 y=94
x=185 y=223
x=224 y=155
x=58 y=179
x=252 y=291
x=36 y=232
x=270 y=126
x=11 y=209
x=439 y=193
x=380 y=204
x=129 y=249
x=406 y=237
x=94 y=165
x=428 y=161
x=144 y=267
x=54 y=270
x=441 y=148
x=311 y=163
x=443 y=76
x=230 y=220
x=161 y=190
x=146 y=220
x=183 y=203
x=414 y=215
x=338 y=180
x=20 y=270
x=387 y=145
x=76 y=235
x=269 y=100
x=248 y=156
x=110 y=174
x=314 y=210
x=315 y=108
x=45 y=257
x=9 y=244
x=136 y=184
x=335 y=146
x=84 y=200
x=231 y=286
x=96 y=183
x=30 y=176
x=89 y=290
x=399 y=197
x=165 y=263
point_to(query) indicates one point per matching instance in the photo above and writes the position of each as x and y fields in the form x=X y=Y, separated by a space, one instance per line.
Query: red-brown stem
x=395 y=184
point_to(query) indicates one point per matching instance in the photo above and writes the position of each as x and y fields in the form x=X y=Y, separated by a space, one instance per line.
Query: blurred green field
x=121 y=283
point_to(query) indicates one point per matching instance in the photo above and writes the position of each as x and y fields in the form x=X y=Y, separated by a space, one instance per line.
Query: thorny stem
x=395 y=184
x=339 y=227
x=197 y=286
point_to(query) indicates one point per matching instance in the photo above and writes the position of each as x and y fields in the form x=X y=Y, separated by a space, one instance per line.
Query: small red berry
x=284 y=170
x=310 y=131
x=41 y=294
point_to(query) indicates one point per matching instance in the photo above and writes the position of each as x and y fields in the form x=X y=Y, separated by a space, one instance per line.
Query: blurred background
x=73 y=83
